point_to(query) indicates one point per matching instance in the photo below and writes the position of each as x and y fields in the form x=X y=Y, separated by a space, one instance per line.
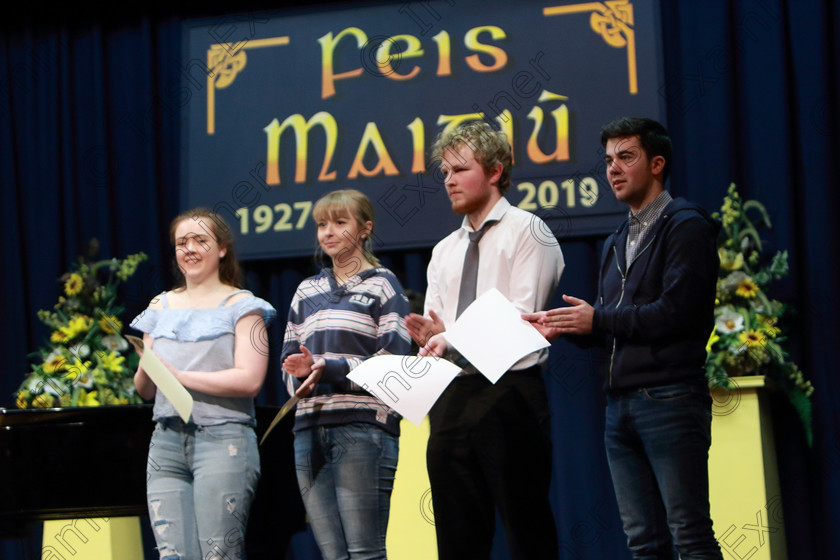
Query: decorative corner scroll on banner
x=224 y=62
x=612 y=20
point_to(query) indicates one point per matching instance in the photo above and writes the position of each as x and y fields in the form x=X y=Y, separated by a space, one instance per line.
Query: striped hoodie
x=345 y=324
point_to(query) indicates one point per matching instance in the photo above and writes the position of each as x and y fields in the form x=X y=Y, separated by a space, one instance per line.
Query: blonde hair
x=349 y=203
x=489 y=147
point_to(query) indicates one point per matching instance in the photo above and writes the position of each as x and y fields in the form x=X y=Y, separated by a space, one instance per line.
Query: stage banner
x=280 y=108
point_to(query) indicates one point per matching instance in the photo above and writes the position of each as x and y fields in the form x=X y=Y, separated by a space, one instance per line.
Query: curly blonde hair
x=489 y=147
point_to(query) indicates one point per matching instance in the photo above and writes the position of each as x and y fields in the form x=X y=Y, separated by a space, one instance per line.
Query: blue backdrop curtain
x=89 y=148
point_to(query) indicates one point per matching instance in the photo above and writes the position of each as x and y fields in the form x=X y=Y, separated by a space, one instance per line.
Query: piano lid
x=73 y=462
x=67 y=463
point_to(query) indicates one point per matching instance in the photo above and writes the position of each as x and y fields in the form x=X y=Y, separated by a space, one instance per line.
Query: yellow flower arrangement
x=747 y=288
x=747 y=339
x=87 y=361
x=54 y=363
x=110 y=324
x=76 y=326
x=74 y=284
x=112 y=362
x=58 y=337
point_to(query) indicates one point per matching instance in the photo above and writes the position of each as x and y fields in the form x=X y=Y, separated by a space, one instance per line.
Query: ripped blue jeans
x=200 y=485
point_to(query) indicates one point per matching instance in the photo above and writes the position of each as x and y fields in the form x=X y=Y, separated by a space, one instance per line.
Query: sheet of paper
x=163 y=379
x=491 y=334
x=408 y=384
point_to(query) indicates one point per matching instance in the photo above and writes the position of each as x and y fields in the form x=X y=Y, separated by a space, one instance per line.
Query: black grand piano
x=91 y=462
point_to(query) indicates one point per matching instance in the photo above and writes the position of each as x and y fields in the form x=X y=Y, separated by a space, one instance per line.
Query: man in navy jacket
x=654 y=314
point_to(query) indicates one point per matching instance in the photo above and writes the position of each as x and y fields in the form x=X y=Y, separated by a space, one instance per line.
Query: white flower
x=55 y=387
x=745 y=243
x=729 y=321
x=733 y=280
x=114 y=342
x=51 y=385
x=84 y=380
x=127 y=385
x=35 y=385
x=57 y=353
x=80 y=351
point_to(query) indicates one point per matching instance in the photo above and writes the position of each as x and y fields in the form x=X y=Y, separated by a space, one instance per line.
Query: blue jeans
x=201 y=482
x=346 y=475
x=657 y=441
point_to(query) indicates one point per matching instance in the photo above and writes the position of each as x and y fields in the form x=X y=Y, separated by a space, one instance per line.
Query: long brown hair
x=213 y=224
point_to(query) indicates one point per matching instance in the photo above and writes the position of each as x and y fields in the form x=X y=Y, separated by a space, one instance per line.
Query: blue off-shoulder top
x=202 y=339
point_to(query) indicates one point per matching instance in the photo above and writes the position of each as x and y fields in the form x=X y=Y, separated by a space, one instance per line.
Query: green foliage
x=747 y=339
x=87 y=362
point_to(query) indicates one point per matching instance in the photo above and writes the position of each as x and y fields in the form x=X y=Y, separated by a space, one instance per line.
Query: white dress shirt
x=516 y=256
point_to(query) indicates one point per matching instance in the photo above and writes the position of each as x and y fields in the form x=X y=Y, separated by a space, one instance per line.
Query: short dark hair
x=652 y=136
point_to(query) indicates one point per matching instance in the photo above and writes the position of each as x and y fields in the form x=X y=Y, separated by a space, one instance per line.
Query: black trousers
x=490 y=449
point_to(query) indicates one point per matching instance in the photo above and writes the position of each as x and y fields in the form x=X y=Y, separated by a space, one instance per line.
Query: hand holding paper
x=408 y=384
x=294 y=364
x=435 y=347
x=299 y=365
x=421 y=328
x=492 y=335
x=163 y=379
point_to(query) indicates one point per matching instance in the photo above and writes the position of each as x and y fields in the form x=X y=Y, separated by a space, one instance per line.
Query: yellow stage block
x=104 y=538
x=411 y=529
x=746 y=504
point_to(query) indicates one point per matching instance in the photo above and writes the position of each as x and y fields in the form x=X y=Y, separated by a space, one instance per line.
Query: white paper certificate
x=492 y=335
x=163 y=379
x=408 y=384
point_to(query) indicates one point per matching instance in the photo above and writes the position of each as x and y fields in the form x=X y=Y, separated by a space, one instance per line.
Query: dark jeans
x=489 y=449
x=657 y=441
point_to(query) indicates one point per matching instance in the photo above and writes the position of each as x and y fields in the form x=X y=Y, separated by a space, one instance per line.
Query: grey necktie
x=469 y=276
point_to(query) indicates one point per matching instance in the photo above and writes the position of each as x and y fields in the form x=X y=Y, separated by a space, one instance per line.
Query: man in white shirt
x=489 y=449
